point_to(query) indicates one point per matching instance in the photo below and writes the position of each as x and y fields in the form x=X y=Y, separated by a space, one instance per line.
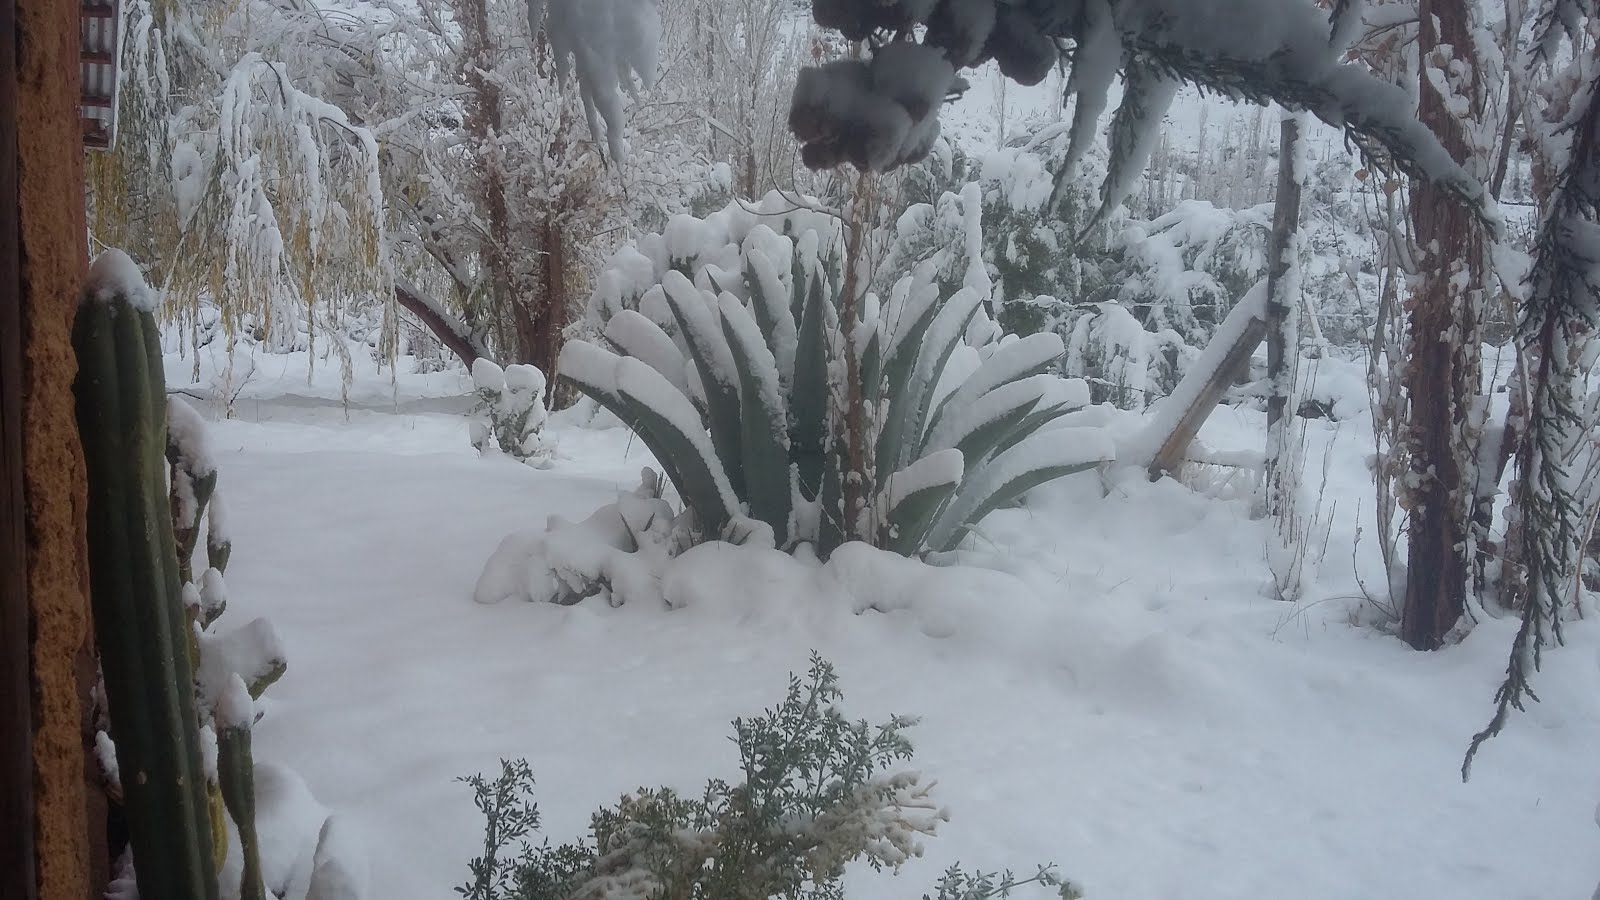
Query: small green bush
x=816 y=796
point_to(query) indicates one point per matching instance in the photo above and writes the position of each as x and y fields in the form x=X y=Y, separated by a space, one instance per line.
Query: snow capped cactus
x=141 y=626
x=720 y=344
x=179 y=691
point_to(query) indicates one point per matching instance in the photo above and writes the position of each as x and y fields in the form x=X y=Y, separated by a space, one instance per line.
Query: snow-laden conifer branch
x=610 y=43
x=1561 y=312
x=866 y=112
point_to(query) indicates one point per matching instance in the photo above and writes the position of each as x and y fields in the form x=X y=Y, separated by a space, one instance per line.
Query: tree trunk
x=1282 y=335
x=1442 y=361
x=454 y=334
x=541 y=315
x=484 y=124
x=16 y=685
x=554 y=296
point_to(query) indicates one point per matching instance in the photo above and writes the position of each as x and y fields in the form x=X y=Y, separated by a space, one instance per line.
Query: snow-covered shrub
x=997 y=223
x=730 y=325
x=814 y=798
x=614 y=554
x=1038 y=244
x=511 y=412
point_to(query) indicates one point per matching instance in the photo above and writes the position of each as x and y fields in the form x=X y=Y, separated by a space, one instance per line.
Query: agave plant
x=720 y=343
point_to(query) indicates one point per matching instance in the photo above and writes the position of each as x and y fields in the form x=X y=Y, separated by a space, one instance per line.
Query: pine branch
x=1563 y=306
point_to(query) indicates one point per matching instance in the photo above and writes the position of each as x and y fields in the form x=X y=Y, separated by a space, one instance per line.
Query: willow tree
x=238 y=180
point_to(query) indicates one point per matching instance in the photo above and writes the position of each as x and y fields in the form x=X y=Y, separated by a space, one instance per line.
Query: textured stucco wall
x=50 y=205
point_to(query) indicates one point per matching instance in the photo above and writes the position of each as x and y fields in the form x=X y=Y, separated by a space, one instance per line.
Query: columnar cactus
x=141 y=625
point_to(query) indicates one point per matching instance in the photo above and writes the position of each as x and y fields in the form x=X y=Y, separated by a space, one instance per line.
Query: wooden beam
x=18 y=876
x=1235 y=363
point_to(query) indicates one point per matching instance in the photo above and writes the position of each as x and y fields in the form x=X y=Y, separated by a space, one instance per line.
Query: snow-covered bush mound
x=721 y=345
x=615 y=554
x=511 y=412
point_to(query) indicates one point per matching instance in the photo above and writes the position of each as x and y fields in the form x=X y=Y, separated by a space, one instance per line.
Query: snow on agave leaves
x=739 y=351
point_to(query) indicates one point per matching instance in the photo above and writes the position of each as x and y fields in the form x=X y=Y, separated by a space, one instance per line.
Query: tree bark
x=554 y=298
x=484 y=123
x=452 y=333
x=1442 y=361
x=1282 y=343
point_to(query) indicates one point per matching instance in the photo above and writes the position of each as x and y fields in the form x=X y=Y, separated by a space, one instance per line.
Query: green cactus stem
x=236 y=775
x=141 y=625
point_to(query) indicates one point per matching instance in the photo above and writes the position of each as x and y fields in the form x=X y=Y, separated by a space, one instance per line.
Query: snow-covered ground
x=1105 y=684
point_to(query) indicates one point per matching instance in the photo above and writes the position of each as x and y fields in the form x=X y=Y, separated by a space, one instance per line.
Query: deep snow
x=1106 y=683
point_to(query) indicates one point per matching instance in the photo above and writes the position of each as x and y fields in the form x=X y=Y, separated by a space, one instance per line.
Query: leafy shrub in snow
x=724 y=350
x=815 y=798
x=511 y=412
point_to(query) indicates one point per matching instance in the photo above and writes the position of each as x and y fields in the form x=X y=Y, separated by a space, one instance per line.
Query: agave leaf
x=802 y=274
x=764 y=432
x=1032 y=462
x=909 y=400
x=979 y=428
x=696 y=314
x=635 y=335
x=1066 y=395
x=914 y=496
x=872 y=359
x=770 y=303
x=914 y=316
x=1031 y=424
x=1012 y=362
x=719 y=281
x=663 y=418
x=808 y=397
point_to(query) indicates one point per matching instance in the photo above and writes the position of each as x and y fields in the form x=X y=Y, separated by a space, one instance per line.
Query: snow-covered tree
x=495 y=184
x=238 y=180
x=730 y=66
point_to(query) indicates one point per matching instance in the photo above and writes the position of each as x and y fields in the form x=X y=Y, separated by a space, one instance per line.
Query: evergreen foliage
x=882 y=113
x=816 y=796
x=1559 y=316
